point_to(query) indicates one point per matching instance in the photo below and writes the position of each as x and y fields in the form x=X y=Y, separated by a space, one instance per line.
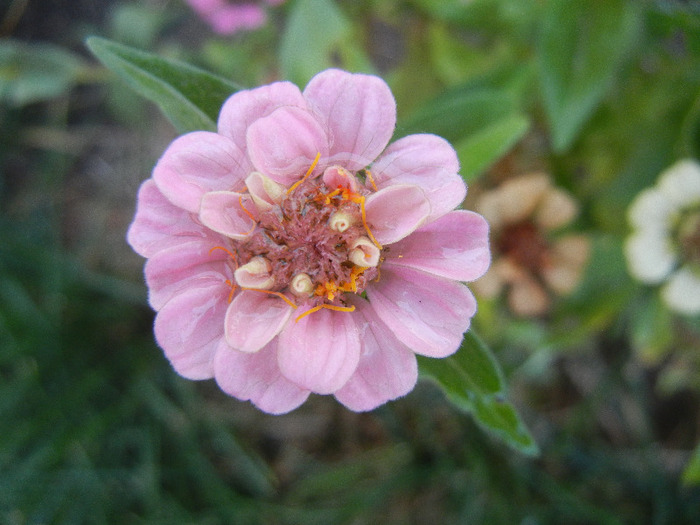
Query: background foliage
x=601 y=94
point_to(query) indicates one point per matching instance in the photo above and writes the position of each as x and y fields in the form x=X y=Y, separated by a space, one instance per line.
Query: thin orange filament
x=308 y=174
x=240 y=202
x=327 y=307
x=371 y=179
x=278 y=294
x=364 y=221
x=231 y=254
x=233 y=289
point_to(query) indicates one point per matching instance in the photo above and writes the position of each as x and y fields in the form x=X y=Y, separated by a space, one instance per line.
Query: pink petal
x=177 y=268
x=197 y=163
x=245 y=107
x=190 y=326
x=428 y=314
x=358 y=110
x=455 y=246
x=321 y=351
x=396 y=211
x=284 y=144
x=256 y=377
x=253 y=319
x=427 y=161
x=387 y=368
x=227 y=213
x=159 y=224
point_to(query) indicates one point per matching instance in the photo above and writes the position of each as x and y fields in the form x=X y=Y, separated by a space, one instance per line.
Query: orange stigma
x=308 y=174
x=327 y=307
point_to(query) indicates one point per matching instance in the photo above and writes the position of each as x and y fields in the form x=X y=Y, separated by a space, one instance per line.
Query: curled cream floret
x=255 y=274
x=364 y=253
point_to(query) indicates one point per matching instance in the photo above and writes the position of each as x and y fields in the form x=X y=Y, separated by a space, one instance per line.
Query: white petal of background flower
x=651 y=210
x=682 y=292
x=681 y=183
x=650 y=256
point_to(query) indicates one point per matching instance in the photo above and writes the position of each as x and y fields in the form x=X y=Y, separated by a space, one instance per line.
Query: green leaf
x=314 y=33
x=483 y=148
x=36 y=72
x=190 y=97
x=459 y=113
x=691 y=474
x=581 y=46
x=473 y=382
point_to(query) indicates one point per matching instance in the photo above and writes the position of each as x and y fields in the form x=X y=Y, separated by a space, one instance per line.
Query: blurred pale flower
x=281 y=265
x=229 y=16
x=665 y=244
x=529 y=261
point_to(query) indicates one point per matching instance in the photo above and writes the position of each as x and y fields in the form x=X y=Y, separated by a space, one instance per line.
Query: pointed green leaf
x=459 y=113
x=473 y=382
x=581 y=46
x=478 y=151
x=190 y=97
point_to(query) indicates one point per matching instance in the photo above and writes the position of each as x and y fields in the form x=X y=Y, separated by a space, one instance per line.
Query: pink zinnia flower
x=287 y=254
x=227 y=16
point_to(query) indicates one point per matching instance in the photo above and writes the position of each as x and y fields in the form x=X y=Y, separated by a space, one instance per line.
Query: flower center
x=312 y=244
x=524 y=243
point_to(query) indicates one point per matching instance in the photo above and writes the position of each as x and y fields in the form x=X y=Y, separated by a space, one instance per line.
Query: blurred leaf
x=307 y=48
x=190 y=97
x=480 y=150
x=472 y=381
x=457 y=59
x=651 y=328
x=36 y=72
x=581 y=46
x=691 y=474
x=459 y=113
x=137 y=24
x=587 y=310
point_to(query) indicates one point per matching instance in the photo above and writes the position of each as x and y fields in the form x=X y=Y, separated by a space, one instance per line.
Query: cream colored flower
x=665 y=244
x=528 y=261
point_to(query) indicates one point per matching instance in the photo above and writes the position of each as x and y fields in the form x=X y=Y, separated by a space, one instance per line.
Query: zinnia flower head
x=229 y=16
x=665 y=244
x=529 y=260
x=290 y=252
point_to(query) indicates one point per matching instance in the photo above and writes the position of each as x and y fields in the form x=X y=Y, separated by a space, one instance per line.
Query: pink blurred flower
x=227 y=16
x=281 y=265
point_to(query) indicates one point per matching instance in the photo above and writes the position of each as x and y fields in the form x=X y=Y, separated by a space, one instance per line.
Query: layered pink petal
x=428 y=314
x=253 y=319
x=387 y=368
x=358 y=110
x=284 y=144
x=228 y=213
x=427 y=161
x=321 y=351
x=180 y=267
x=256 y=377
x=190 y=326
x=245 y=107
x=197 y=163
x=455 y=246
x=159 y=224
x=396 y=211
